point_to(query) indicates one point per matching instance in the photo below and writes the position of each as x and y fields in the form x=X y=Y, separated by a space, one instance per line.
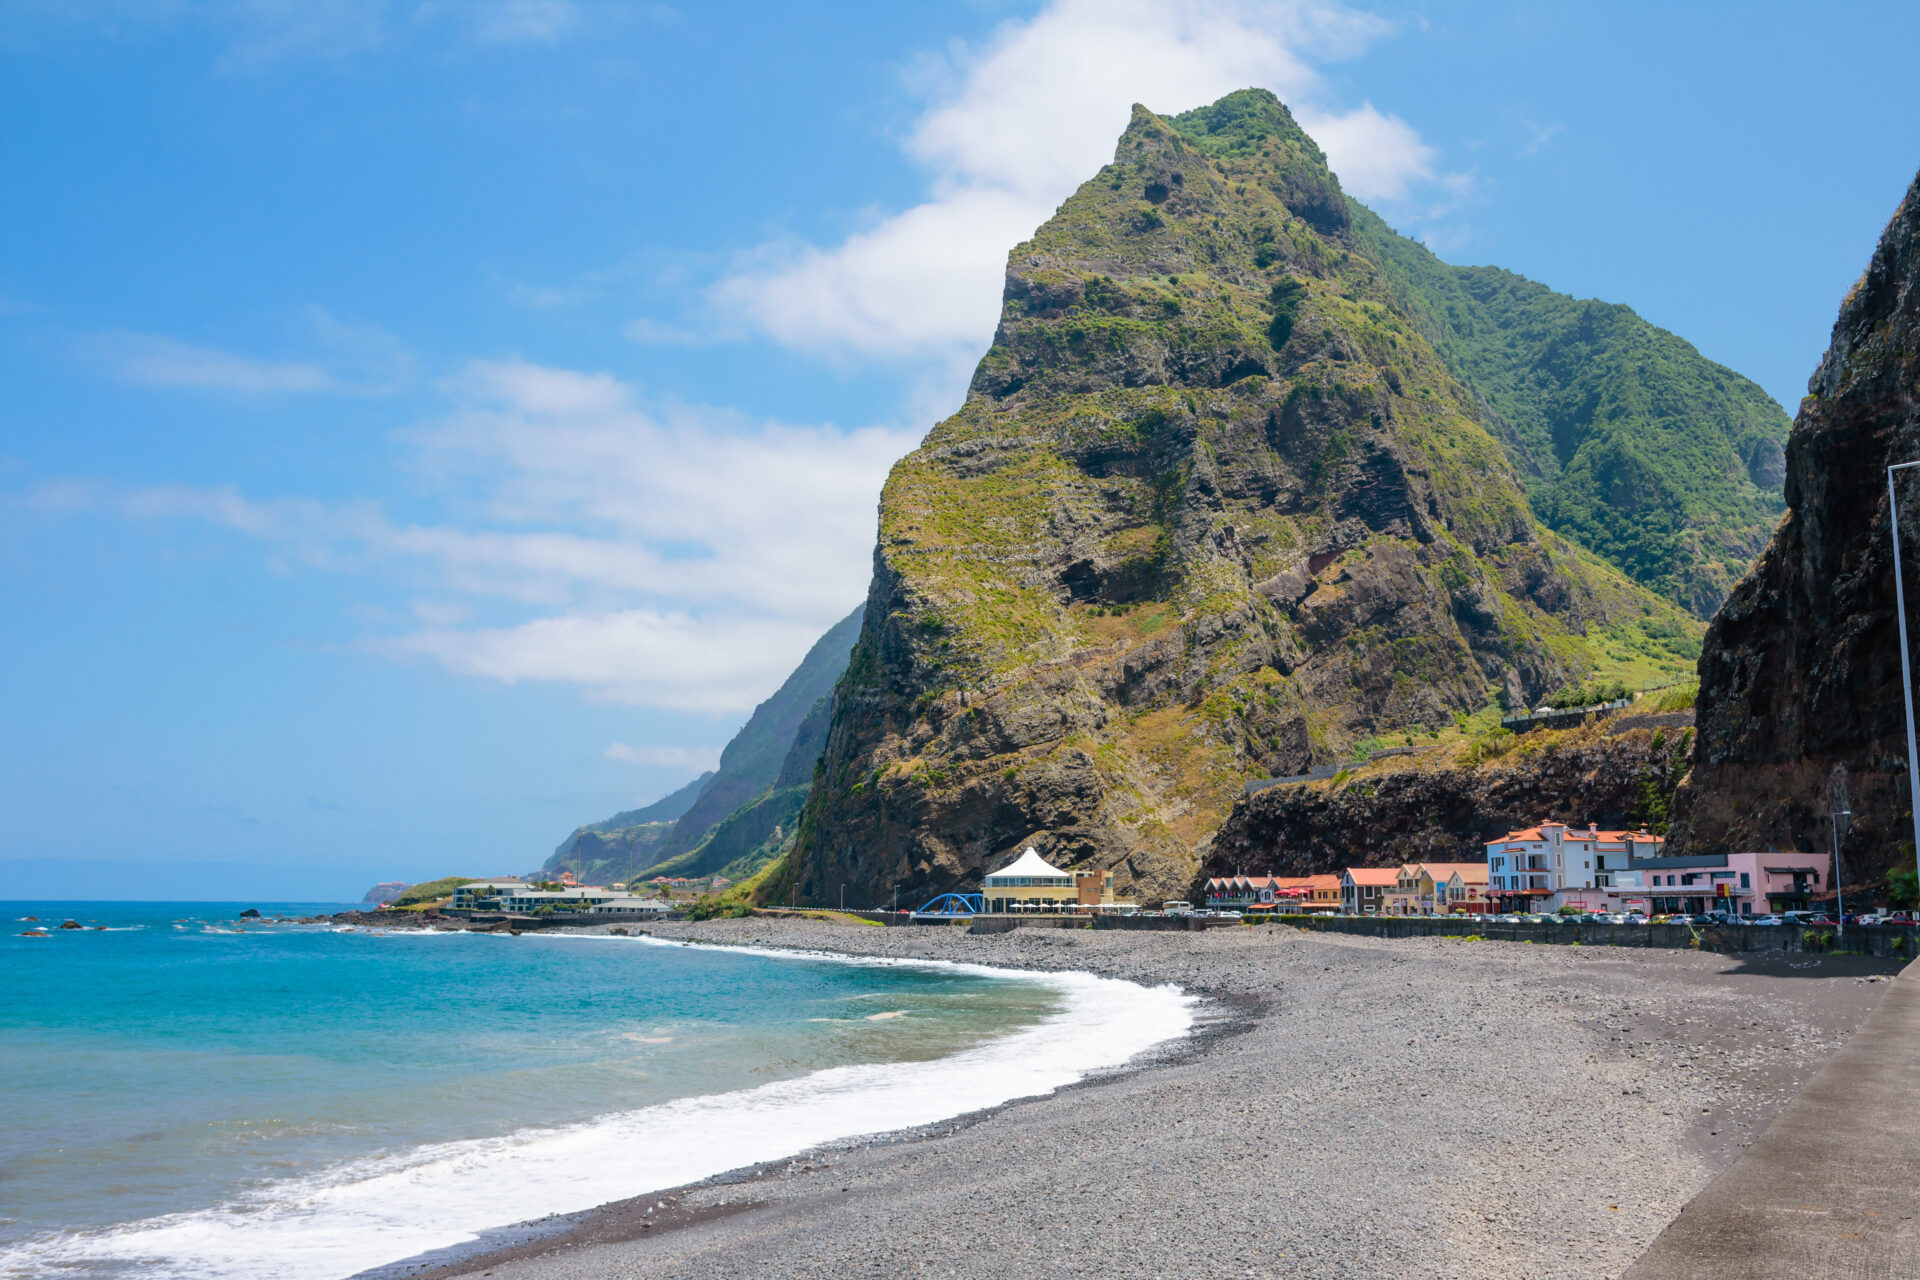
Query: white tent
x=1030 y=867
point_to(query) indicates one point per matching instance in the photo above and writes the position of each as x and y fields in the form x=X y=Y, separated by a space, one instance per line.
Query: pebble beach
x=1349 y=1106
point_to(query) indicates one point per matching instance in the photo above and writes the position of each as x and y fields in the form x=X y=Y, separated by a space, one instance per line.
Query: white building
x=520 y=896
x=629 y=905
x=1553 y=865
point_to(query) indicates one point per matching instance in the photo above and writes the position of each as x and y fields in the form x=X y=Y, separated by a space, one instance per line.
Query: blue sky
x=425 y=427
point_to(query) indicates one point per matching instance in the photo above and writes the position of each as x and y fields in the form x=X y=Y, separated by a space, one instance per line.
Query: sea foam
x=365 y=1213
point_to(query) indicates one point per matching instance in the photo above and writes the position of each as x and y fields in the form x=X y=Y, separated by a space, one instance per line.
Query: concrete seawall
x=1885 y=941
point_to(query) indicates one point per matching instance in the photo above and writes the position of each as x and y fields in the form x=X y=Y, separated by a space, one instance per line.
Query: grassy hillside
x=1630 y=442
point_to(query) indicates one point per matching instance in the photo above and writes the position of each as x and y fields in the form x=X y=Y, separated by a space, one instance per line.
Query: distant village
x=1552 y=869
x=1549 y=869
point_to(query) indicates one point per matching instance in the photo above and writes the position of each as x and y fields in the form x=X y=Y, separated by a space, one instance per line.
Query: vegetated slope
x=1630 y=442
x=750 y=763
x=626 y=841
x=1444 y=805
x=726 y=819
x=1801 y=708
x=763 y=828
x=1213 y=508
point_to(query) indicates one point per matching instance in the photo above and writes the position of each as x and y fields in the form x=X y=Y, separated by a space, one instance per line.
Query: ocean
x=183 y=1094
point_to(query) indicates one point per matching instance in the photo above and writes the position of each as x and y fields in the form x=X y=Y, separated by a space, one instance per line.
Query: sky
x=427 y=427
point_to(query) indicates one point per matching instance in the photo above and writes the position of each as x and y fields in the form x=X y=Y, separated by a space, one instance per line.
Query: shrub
x=713 y=906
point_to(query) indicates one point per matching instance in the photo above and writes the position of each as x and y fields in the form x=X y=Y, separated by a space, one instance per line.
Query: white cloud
x=657 y=333
x=356 y=359
x=691 y=759
x=1378 y=157
x=643 y=657
x=268 y=31
x=676 y=556
x=156 y=361
x=516 y=21
x=1019 y=124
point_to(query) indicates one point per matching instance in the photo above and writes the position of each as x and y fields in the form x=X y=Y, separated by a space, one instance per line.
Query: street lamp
x=1839 y=902
x=1906 y=675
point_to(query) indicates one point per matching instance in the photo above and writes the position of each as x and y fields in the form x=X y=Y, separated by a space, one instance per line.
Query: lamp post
x=1839 y=901
x=1906 y=672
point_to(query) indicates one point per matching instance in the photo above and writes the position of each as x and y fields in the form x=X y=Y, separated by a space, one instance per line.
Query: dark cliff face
x=1213 y=509
x=1445 y=811
x=1800 y=688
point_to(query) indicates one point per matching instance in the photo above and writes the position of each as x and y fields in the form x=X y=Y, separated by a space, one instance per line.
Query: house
x=1241 y=892
x=1029 y=883
x=1309 y=893
x=1436 y=888
x=1363 y=889
x=1553 y=865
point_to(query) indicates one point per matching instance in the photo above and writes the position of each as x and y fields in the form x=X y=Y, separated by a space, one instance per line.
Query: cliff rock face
x=1800 y=690
x=1426 y=809
x=1213 y=509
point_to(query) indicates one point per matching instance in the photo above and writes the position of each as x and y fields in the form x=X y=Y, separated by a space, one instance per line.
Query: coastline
x=1663 y=1065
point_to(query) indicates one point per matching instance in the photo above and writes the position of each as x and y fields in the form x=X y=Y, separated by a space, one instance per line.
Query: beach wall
x=1886 y=941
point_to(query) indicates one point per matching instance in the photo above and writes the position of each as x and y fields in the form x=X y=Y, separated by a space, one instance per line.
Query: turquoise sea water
x=182 y=1094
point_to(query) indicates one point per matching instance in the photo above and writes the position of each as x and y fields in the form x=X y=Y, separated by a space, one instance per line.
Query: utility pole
x=1906 y=672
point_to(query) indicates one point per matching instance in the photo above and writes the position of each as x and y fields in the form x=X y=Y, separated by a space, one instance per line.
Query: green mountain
x=666 y=809
x=740 y=816
x=1215 y=508
x=1629 y=441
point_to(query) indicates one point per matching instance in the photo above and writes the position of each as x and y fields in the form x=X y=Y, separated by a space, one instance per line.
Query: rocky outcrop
x=1444 y=806
x=1800 y=706
x=1213 y=508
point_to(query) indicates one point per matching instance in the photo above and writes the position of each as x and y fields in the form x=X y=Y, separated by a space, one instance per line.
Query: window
x=1745 y=883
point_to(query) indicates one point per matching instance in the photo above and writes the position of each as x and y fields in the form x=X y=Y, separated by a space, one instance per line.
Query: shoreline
x=727 y=1225
x=656 y=1213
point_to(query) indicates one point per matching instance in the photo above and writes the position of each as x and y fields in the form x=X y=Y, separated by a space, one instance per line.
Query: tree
x=1903 y=888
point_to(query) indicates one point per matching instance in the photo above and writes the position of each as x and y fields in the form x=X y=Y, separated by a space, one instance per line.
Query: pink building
x=1748 y=884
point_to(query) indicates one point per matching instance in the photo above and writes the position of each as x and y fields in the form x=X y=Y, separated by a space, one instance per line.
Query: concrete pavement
x=1832 y=1188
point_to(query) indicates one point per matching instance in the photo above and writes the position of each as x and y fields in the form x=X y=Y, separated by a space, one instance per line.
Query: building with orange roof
x=1275 y=893
x=1553 y=865
x=1436 y=889
x=1363 y=889
x=1319 y=893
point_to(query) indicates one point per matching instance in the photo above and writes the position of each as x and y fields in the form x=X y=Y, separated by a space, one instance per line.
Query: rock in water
x=251 y=913
x=1213 y=508
x=1800 y=707
x=72 y=924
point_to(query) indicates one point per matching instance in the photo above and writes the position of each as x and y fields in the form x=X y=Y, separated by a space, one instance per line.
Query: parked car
x=1770 y=920
x=1901 y=917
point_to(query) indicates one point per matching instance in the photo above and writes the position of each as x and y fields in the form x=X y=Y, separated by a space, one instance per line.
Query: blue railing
x=948 y=905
